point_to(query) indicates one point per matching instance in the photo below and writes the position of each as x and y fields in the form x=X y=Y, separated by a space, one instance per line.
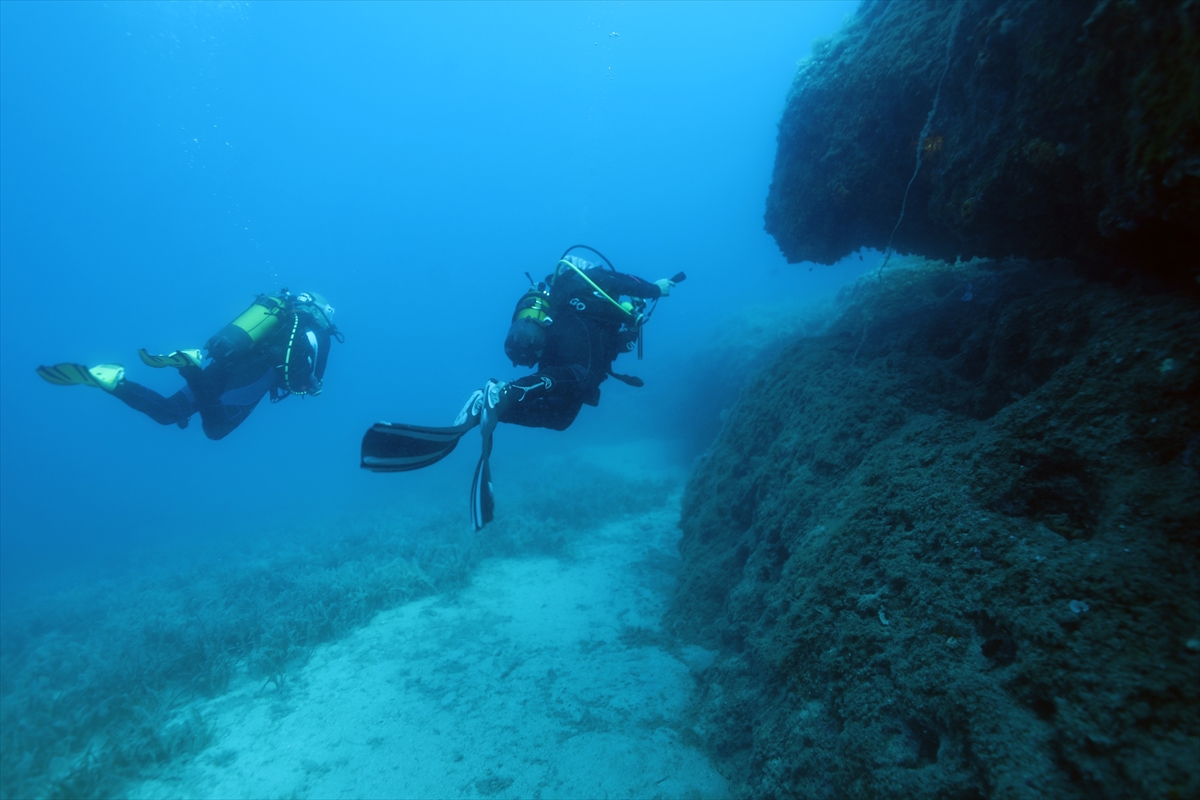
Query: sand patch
x=544 y=678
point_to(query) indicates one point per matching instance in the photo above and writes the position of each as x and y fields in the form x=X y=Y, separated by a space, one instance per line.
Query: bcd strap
x=631 y=380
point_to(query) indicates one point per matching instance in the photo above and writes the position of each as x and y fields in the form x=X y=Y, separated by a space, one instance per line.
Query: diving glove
x=664 y=286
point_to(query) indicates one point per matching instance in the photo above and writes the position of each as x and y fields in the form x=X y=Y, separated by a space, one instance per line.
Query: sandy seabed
x=546 y=677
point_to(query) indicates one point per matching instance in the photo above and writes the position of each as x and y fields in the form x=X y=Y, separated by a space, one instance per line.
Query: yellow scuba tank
x=250 y=327
x=526 y=342
x=534 y=305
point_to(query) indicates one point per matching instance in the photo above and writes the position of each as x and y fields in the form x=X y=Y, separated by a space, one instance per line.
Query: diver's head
x=525 y=343
x=318 y=305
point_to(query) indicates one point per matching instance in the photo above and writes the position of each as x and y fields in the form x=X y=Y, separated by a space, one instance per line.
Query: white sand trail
x=544 y=678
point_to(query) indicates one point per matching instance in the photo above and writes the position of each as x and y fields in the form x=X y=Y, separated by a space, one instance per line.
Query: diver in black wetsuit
x=279 y=346
x=572 y=326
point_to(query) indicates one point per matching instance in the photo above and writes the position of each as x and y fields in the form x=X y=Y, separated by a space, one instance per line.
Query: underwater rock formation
x=951 y=546
x=1061 y=130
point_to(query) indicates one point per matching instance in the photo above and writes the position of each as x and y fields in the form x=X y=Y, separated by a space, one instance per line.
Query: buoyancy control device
x=285 y=328
x=543 y=301
x=570 y=285
x=306 y=352
x=628 y=313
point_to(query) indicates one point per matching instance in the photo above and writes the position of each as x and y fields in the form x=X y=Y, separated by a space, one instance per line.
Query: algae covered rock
x=1061 y=129
x=950 y=547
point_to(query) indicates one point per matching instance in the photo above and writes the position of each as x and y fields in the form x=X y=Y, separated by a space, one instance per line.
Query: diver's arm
x=323 y=341
x=618 y=283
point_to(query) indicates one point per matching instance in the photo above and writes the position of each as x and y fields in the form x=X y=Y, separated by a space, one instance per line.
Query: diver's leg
x=220 y=420
x=173 y=410
x=205 y=383
x=226 y=412
x=538 y=401
x=568 y=377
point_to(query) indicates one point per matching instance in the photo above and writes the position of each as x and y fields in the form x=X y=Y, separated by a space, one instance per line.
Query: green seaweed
x=99 y=684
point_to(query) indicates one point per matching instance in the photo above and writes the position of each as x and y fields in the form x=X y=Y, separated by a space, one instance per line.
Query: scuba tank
x=256 y=323
x=526 y=339
x=534 y=304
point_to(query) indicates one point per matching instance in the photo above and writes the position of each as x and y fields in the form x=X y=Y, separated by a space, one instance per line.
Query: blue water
x=162 y=163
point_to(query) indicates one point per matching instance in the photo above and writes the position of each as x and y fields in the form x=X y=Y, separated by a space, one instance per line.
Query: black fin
x=395 y=447
x=483 y=502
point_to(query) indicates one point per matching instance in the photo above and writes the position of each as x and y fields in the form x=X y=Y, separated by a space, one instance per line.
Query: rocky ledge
x=1060 y=129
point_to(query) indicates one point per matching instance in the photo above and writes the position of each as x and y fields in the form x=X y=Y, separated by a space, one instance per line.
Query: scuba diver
x=278 y=346
x=571 y=327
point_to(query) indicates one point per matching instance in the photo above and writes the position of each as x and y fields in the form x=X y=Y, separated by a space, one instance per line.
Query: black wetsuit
x=225 y=391
x=587 y=335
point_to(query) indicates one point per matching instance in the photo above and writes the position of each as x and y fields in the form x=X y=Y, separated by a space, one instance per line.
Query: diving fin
x=483 y=502
x=395 y=447
x=104 y=376
x=177 y=359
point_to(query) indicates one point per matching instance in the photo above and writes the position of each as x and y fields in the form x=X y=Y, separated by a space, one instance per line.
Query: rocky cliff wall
x=1062 y=129
x=951 y=547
